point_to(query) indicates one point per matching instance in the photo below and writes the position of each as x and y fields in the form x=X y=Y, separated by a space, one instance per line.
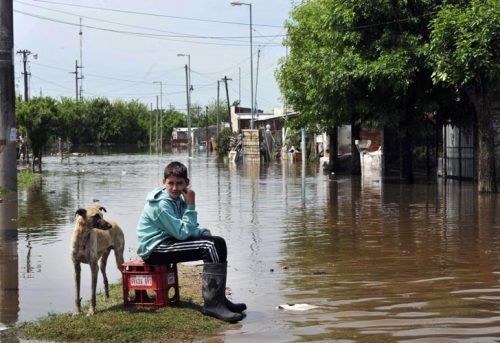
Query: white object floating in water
x=296 y=307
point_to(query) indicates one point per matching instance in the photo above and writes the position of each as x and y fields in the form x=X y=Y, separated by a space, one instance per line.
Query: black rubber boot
x=214 y=296
x=235 y=307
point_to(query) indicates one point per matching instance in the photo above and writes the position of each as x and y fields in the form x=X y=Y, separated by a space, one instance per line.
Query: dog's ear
x=81 y=212
x=102 y=209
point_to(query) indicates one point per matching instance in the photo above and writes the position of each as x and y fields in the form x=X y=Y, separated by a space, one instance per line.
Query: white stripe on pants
x=209 y=246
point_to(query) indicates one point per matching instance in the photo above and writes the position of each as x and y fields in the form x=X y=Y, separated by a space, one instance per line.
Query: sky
x=128 y=47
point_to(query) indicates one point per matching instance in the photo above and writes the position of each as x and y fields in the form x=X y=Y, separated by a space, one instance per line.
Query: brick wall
x=375 y=135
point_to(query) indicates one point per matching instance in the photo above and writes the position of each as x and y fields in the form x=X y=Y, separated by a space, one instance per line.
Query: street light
x=249 y=4
x=161 y=115
x=188 y=96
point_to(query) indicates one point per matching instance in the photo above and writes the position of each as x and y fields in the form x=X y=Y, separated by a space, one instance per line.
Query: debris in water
x=296 y=307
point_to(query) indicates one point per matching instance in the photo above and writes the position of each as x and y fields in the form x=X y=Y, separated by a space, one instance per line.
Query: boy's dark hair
x=176 y=169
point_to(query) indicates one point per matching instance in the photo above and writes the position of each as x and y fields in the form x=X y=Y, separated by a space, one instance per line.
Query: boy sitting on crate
x=168 y=232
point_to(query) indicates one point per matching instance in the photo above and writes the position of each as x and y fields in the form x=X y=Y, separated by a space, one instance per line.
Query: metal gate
x=459 y=160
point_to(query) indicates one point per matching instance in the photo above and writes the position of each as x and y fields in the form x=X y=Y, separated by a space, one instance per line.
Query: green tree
x=223 y=141
x=212 y=112
x=136 y=123
x=359 y=62
x=465 y=53
x=172 y=118
x=99 y=120
x=70 y=125
x=121 y=124
x=39 y=116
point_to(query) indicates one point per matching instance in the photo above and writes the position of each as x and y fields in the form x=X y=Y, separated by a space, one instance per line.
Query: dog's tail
x=118 y=250
x=119 y=259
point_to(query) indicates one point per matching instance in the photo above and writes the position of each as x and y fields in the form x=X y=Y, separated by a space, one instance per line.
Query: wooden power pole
x=25 y=54
x=228 y=104
x=8 y=133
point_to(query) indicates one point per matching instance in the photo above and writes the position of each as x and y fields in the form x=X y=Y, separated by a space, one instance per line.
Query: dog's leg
x=102 y=265
x=78 y=299
x=94 y=269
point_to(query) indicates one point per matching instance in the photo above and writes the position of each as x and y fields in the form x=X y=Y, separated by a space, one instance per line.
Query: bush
x=223 y=141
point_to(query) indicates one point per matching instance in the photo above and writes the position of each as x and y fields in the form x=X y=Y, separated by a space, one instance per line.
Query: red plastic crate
x=150 y=285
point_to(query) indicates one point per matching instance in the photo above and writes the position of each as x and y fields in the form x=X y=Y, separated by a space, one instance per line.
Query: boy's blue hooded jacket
x=164 y=217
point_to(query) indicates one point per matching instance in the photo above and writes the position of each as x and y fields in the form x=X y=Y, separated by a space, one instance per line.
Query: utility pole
x=76 y=80
x=81 y=58
x=189 y=89
x=199 y=111
x=161 y=115
x=249 y=4
x=188 y=103
x=252 y=124
x=156 y=135
x=228 y=105
x=218 y=121
x=150 y=125
x=206 y=129
x=256 y=83
x=25 y=54
x=161 y=118
x=8 y=133
x=239 y=85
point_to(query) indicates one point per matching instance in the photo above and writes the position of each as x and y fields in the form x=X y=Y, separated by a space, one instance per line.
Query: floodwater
x=379 y=261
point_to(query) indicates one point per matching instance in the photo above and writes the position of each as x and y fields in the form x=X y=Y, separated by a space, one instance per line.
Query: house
x=241 y=118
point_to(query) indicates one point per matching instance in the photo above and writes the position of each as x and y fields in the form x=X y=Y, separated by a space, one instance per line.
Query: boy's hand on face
x=189 y=196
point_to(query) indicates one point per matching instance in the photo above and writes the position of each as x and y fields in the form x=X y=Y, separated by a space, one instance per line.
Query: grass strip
x=27 y=179
x=114 y=323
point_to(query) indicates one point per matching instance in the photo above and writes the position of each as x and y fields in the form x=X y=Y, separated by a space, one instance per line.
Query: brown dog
x=91 y=242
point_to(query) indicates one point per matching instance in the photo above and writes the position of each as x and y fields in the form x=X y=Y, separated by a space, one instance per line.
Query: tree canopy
x=390 y=64
x=89 y=122
x=362 y=58
x=465 y=44
x=39 y=118
x=464 y=51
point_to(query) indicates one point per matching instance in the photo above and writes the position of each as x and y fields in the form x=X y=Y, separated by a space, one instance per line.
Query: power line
x=197 y=86
x=158 y=15
x=173 y=34
x=98 y=19
x=139 y=34
x=52 y=83
x=100 y=76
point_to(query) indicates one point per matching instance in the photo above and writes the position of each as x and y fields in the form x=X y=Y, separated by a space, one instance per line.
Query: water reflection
x=9 y=277
x=40 y=209
x=385 y=256
x=382 y=261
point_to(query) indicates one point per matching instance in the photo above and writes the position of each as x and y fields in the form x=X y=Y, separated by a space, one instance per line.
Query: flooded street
x=382 y=261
